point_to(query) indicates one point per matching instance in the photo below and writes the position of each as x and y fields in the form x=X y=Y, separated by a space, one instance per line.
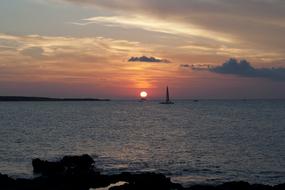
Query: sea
x=204 y=142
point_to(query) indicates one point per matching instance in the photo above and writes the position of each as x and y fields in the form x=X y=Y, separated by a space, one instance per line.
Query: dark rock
x=46 y=167
x=6 y=182
x=279 y=187
x=85 y=161
x=78 y=165
x=69 y=165
x=261 y=187
x=71 y=172
x=202 y=187
x=234 y=186
x=79 y=173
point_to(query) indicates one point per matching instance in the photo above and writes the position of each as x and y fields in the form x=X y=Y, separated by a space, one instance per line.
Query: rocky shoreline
x=79 y=173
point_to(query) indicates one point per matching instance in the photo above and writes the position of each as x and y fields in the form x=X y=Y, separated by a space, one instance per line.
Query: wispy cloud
x=35 y=52
x=65 y=61
x=155 y=25
x=56 y=57
x=249 y=24
x=52 y=45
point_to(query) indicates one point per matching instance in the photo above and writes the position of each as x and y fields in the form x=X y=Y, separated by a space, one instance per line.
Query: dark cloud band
x=148 y=59
x=244 y=68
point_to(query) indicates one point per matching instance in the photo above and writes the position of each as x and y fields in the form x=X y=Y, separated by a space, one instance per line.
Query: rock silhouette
x=69 y=165
x=79 y=173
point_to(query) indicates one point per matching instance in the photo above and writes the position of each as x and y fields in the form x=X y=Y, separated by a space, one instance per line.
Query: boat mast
x=167 y=94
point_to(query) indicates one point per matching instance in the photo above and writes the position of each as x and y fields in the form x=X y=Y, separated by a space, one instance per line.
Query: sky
x=117 y=48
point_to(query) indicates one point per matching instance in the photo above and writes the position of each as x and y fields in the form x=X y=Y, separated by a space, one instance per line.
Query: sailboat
x=167 y=100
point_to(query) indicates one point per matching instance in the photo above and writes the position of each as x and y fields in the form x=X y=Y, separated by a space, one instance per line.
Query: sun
x=143 y=94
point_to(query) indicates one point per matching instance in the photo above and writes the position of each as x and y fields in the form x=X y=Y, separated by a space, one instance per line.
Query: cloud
x=90 y=61
x=255 y=24
x=245 y=69
x=148 y=59
x=54 y=58
x=185 y=65
x=197 y=67
x=37 y=45
x=155 y=25
x=35 y=52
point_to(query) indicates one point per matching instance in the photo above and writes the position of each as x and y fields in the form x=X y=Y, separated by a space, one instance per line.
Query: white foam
x=120 y=183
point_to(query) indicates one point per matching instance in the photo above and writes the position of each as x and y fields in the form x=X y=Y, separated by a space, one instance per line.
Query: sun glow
x=143 y=94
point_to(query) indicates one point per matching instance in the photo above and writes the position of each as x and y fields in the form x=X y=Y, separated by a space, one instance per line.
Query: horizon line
x=49 y=98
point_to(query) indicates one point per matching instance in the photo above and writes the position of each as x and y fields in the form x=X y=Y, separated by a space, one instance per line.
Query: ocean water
x=192 y=142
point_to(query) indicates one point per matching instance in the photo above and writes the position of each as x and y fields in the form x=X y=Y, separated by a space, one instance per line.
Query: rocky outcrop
x=68 y=165
x=79 y=173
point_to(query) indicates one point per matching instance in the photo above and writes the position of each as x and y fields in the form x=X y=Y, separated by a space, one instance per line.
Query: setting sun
x=143 y=94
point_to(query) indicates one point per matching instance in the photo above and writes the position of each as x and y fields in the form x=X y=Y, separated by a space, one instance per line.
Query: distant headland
x=45 y=99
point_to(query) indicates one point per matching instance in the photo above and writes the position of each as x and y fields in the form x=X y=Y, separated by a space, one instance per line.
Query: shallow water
x=192 y=142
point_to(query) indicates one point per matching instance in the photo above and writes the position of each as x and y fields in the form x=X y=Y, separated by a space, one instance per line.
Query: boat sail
x=167 y=100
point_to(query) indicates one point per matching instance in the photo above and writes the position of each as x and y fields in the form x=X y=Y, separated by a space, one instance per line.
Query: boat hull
x=166 y=103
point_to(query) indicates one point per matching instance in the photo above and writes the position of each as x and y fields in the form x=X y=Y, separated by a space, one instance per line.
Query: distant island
x=45 y=99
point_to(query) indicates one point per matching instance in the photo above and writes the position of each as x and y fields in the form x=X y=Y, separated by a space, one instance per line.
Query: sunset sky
x=117 y=48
